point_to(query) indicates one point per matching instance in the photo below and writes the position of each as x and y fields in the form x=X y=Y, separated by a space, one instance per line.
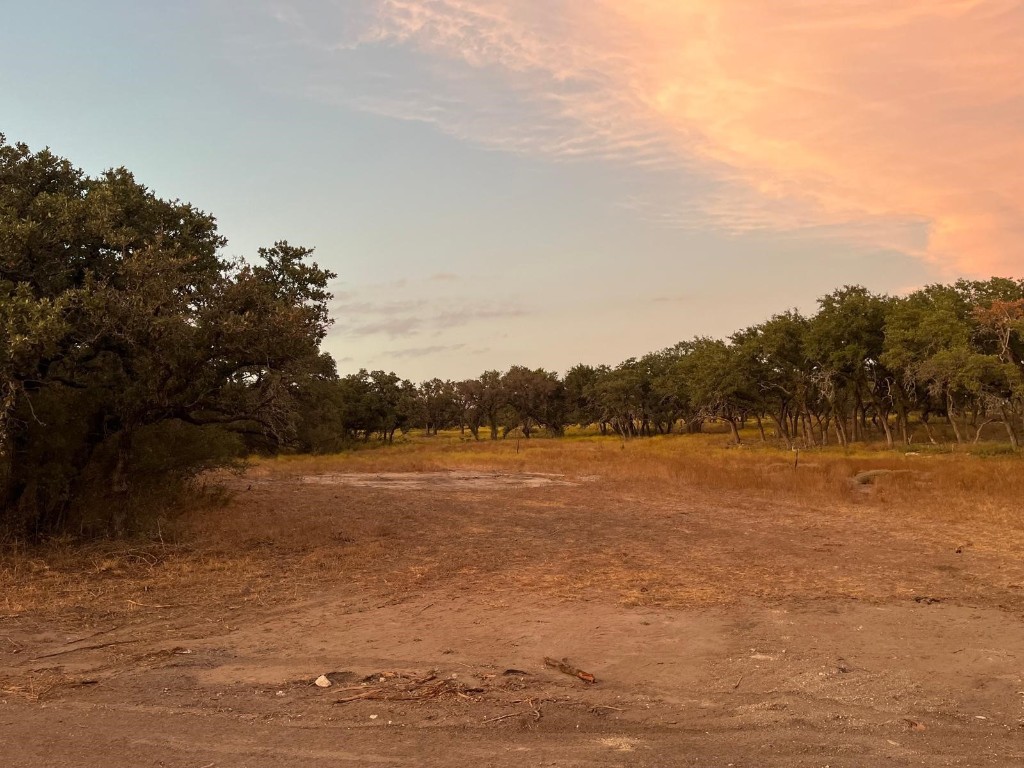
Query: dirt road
x=722 y=631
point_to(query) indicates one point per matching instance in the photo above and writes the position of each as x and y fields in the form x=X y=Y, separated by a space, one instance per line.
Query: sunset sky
x=548 y=182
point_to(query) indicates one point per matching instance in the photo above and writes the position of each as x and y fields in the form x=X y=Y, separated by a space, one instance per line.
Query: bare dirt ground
x=724 y=627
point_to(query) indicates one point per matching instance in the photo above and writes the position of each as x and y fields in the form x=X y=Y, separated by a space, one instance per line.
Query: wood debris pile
x=403 y=686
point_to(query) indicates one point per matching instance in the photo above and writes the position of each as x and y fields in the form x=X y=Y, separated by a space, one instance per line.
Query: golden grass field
x=210 y=543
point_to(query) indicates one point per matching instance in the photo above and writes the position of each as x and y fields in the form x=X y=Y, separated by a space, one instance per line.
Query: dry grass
x=946 y=485
x=282 y=540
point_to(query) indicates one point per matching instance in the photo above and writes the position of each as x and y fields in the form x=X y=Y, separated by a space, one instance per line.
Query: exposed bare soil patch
x=725 y=620
x=451 y=479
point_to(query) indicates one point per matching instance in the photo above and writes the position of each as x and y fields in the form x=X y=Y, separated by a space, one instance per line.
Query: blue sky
x=486 y=185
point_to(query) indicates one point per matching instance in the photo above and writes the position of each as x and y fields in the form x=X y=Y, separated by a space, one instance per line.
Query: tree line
x=135 y=355
x=863 y=367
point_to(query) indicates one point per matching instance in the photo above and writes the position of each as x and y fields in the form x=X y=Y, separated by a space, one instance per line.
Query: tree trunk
x=823 y=425
x=760 y=428
x=883 y=419
x=840 y=427
x=734 y=429
x=928 y=430
x=901 y=420
x=1010 y=431
x=780 y=425
x=950 y=416
x=119 y=484
x=978 y=430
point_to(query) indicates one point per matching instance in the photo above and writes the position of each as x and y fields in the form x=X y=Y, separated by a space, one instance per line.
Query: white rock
x=323 y=682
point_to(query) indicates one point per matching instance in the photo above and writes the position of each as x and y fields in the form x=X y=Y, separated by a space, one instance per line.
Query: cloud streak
x=402 y=318
x=414 y=352
x=896 y=122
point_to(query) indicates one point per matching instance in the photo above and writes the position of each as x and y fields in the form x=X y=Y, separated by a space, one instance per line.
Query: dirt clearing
x=726 y=620
x=451 y=479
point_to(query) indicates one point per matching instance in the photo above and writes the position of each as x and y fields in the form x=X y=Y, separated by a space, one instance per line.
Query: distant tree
x=845 y=342
x=928 y=338
x=775 y=353
x=491 y=401
x=720 y=384
x=473 y=401
x=581 y=408
x=440 y=406
x=533 y=398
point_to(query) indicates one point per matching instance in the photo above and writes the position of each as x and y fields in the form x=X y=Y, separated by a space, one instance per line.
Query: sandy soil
x=722 y=631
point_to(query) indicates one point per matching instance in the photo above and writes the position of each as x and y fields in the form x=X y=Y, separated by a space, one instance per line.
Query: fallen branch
x=419 y=689
x=565 y=667
x=366 y=695
x=97 y=634
x=502 y=717
x=83 y=648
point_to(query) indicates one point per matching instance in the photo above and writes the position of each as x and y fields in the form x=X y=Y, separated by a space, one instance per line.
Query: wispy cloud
x=413 y=352
x=895 y=122
x=400 y=318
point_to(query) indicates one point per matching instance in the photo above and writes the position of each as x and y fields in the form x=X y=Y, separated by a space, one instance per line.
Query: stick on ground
x=569 y=669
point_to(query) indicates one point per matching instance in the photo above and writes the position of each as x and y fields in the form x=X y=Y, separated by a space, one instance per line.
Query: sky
x=549 y=182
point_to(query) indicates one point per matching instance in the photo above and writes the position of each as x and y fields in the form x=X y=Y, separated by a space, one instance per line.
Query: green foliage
x=864 y=365
x=131 y=345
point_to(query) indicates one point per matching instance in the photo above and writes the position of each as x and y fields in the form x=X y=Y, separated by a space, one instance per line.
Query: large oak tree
x=130 y=343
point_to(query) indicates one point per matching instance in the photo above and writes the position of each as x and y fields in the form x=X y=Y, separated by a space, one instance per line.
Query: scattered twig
x=502 y=717
x=83 y=648
x=157 y=605
x=97 y=634
x=419 y=689
x=421 y=610
x=737 y=683
x=605 y=706
x=366 y=695
x=565 y=667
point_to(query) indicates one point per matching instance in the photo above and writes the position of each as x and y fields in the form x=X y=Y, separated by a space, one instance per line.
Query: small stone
x=323 y=682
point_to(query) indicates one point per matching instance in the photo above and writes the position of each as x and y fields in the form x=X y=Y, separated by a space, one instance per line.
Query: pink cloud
x=872 y=116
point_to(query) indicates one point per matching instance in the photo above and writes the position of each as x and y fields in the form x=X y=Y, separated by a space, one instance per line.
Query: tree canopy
x=132 y=347
x=864 y=366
